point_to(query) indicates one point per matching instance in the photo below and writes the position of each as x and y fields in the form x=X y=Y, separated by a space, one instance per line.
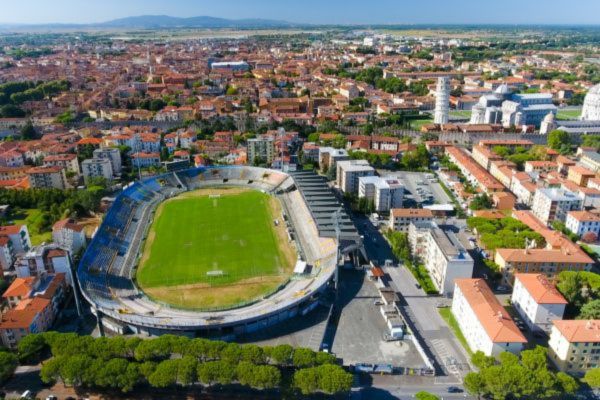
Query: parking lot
x=357 y=337
x=420 y=188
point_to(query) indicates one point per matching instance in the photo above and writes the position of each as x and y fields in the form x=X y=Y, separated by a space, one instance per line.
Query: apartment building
x=484 y=322
x=68 y=162
x=441 y=253
x=145 y=160
x=473 y=172
x=42 y=260
x=33 y=306
x=574 y=345
x=261 y=148
x=590 y=160
x=328 y=157
x=348 y=173
x=537 y=301
x=549 y=262
x=385 y=193
x=582 y=222
x=401 y=218
x=114 y=155
x=580 y=175
x=18 y=236
x=47 y=178
x=551 y=204
x=523 y=188
x=69 y=235
x=97 y=168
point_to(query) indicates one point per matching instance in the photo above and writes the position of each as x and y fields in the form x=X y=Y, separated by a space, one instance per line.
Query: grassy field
x=31 y=218
x=234 y=235
x=460 y=113
x=568 y=114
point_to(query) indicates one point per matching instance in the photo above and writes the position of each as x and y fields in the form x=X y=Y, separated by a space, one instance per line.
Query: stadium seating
x=106 y=268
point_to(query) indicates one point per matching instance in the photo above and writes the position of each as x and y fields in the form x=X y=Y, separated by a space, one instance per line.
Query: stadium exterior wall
x=223 y=324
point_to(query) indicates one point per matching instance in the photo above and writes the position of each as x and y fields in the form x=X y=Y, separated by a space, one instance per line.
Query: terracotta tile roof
x=581 y=171
x=563 y=255
x=489 y=214
x=540 y=289
x=10 y=229
x=67 y=223
x=21 y=287
x=584 y=216
x=23 y=317
x=579 y=331
x=493 y=317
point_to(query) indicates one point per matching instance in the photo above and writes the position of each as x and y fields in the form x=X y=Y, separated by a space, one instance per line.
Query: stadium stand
x=107 y=269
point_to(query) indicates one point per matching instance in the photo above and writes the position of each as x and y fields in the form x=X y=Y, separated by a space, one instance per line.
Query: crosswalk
x=445 y=356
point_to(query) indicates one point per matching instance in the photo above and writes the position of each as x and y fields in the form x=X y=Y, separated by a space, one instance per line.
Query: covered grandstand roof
x=322 y=204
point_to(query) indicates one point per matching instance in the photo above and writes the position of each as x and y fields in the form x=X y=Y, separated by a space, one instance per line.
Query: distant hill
x=160 y=22
x=165 y=21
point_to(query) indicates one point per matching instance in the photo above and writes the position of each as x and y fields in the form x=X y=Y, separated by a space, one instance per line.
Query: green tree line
x=518 y=377
x=121 y=363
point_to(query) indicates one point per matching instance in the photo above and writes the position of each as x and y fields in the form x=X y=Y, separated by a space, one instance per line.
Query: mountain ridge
x=167 y=21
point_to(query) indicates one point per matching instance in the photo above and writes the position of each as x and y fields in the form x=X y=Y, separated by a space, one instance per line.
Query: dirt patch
x=221 y=191
x=202 y=295
x=287 y=251
x=90 y=225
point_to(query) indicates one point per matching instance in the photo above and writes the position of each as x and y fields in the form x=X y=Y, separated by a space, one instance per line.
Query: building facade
x=551 y=204
x=537 y=301
x=484 y=322
x=574 y=345
x=385 y=193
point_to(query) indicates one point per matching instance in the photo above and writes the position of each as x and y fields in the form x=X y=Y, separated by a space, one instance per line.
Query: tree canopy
x=518 y=377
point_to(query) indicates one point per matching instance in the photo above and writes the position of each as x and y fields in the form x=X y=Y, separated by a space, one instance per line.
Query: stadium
x=215 y=251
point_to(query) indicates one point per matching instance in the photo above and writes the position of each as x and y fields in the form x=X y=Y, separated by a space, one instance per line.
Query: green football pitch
x=203 y=239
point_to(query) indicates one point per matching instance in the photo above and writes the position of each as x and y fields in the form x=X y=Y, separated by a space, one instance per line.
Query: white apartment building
x=442 y=255
x=401 y=218
x=47 y=178
x=537 y=301
x=97 y=168
x=18 y=235
x=484 y=322
x=590 y=160
x=574 y=345
x=6 y=253
x=349 y=171
x=261 y=148
x=68 y=235
x=582 y=222
x=67 y=161
x=524 y=190
x=145 y=160
x=385 y=193
x=114 y=155
x=329 y=156
x=550 y=204
x=44 y=259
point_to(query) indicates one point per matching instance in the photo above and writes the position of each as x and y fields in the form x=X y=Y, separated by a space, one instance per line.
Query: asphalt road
x=422 y=309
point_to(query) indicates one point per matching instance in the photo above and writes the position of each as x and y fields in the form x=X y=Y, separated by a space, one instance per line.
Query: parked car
x=27 y=395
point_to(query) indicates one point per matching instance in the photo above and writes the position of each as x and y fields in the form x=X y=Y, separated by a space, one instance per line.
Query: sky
x=312 y=11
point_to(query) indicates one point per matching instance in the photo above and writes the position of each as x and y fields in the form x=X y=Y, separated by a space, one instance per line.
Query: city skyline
x=312 y=11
